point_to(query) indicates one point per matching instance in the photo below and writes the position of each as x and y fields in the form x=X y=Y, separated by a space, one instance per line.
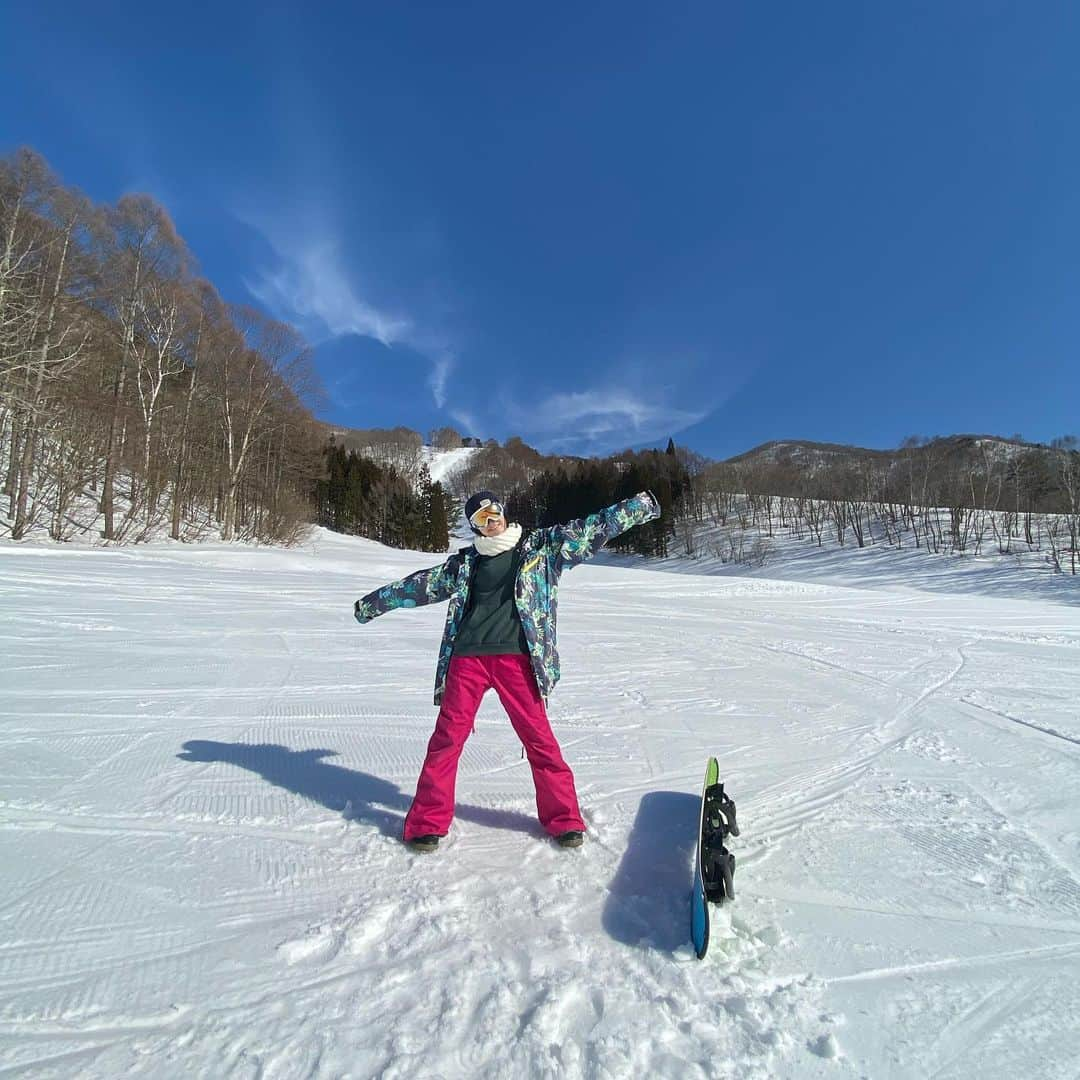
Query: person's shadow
x=357 y=796
x=648 y=902
x=648 y=899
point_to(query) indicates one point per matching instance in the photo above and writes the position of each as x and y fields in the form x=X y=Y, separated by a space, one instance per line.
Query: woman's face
x=494 y=526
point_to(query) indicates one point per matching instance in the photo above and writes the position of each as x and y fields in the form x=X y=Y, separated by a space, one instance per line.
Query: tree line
x=577 y=488
x=362 y=497
x=126 y=380
x=944 y=496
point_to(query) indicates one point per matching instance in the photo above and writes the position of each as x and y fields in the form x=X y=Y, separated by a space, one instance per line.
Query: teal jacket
x=545 y=554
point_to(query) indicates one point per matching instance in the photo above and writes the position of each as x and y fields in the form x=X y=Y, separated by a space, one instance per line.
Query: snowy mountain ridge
x=813 y=455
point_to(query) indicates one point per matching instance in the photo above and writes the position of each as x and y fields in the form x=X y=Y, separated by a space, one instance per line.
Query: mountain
x=949 y=449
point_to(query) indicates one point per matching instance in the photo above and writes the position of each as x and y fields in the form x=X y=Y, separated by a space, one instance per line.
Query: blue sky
x=598 y=225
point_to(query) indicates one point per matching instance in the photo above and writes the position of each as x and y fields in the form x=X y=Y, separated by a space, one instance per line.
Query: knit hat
x=478 y=501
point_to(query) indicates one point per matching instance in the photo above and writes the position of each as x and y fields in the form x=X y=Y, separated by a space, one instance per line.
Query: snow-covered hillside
x=206 y=762
x=83 y=522
x=442 y=464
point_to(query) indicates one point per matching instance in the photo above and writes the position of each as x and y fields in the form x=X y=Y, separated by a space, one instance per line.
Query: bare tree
x=159 y=358
x=445 y=438
x=25 y=181
x=41 y=334
x=1069 y=476
x=140 y=247
x=265 y=360
x=202 y=316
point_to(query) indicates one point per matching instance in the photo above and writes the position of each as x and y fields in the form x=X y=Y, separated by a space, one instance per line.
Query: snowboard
x=714 y=867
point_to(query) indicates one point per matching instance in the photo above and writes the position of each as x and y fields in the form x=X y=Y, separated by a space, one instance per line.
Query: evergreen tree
x=631 y=480
x=438 y=524
x=423 y=540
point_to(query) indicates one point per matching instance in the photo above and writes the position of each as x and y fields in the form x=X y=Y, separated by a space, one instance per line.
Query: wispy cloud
x=307 y=282
x=642 y=395
x=308 y=285
x=600 y=420
x=440 y=372
x=465 y=421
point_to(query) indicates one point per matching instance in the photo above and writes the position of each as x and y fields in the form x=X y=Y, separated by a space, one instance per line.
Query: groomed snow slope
x=204 y=765
x=442 y=464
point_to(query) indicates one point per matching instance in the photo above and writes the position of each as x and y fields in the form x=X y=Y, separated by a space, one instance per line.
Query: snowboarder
x=500 y=633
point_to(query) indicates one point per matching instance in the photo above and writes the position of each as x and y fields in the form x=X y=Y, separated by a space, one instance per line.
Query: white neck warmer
x=496 y=545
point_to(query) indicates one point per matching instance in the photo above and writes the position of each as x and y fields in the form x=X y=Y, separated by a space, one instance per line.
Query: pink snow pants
x=468 y=679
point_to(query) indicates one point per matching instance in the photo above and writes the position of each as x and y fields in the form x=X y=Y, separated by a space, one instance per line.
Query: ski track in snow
x=206 y=764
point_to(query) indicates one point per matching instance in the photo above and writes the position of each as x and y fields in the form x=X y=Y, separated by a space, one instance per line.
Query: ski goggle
x=489 y=511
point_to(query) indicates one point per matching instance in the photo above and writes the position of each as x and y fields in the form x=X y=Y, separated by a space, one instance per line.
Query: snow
x=205 y=765
x=442 y=464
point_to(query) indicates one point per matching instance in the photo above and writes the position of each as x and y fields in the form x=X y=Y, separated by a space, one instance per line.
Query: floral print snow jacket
x=544 y=555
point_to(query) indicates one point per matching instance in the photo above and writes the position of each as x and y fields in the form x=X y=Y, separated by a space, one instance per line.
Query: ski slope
x=204 y=766
x=442 y=464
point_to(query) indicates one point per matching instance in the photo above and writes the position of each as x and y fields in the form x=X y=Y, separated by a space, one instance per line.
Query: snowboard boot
x=570 y=839
x=423 y=845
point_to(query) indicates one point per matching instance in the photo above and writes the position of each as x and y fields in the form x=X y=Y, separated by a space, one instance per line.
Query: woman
x=500 y=633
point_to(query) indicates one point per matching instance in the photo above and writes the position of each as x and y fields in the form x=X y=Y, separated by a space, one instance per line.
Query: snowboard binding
x=717 y=863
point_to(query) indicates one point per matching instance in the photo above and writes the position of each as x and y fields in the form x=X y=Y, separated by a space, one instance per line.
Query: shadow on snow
x=649 y=898
x=357 y=796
